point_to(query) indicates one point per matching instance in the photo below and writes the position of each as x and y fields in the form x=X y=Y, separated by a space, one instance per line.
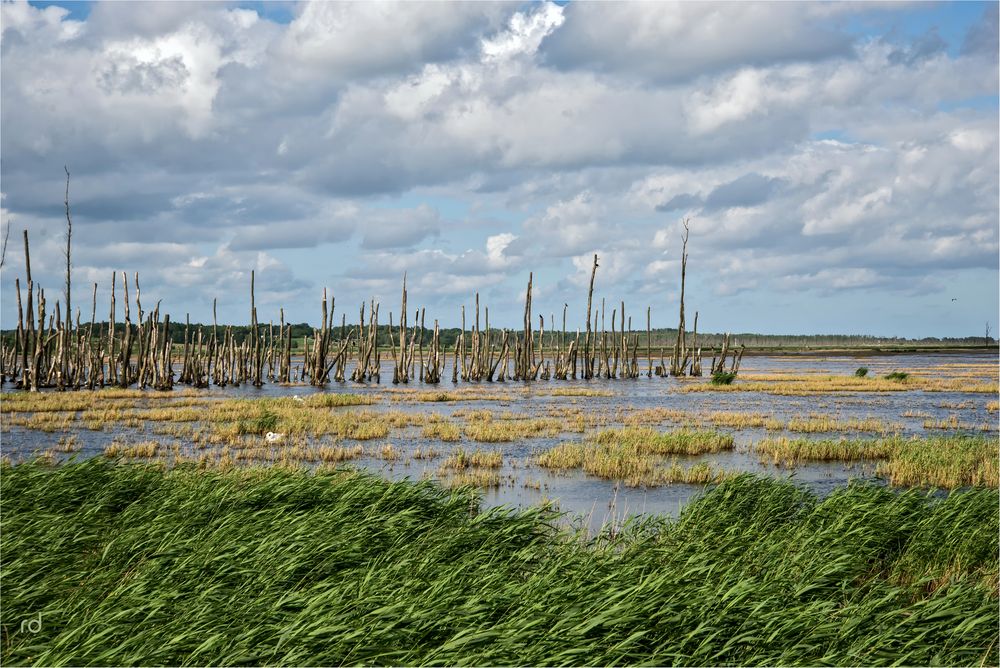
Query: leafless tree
x=69 y=239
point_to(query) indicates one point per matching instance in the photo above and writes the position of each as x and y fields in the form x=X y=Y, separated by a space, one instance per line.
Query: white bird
x=272 y=437
x=297 y=398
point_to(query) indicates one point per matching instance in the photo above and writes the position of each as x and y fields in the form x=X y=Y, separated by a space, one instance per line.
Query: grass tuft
x=723 y=378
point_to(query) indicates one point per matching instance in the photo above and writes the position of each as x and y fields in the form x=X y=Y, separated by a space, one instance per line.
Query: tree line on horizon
x=660 y=337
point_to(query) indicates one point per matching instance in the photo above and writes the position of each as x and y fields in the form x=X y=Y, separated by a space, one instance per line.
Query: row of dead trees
x=49 y=351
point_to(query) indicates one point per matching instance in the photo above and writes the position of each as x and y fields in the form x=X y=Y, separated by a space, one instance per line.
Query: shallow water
x=525 y=483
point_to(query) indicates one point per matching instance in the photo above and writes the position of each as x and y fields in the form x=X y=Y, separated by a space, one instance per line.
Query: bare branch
x=3 y=252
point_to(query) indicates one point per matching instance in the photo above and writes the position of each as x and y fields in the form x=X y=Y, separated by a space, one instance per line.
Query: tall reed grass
x=937 y=461
x=136 y=565
x=635 y=456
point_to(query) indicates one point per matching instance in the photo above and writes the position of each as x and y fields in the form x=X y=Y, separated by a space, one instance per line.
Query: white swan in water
x=272 y=437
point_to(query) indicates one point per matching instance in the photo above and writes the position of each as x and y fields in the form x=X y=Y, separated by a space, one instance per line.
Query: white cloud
x=671 y=41
x=203 y=137
x=524 y=33
x=360 y=39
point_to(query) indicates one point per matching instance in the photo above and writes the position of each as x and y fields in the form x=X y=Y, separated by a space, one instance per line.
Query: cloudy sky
x=838 y=162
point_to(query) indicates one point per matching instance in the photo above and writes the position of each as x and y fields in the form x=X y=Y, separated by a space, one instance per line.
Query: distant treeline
x=659 y=338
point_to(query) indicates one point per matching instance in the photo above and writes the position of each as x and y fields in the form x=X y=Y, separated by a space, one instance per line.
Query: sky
x=838 y=162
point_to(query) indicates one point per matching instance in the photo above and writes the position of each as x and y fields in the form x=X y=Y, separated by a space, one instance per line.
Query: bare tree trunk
x=676 y=366
x=588 y=367
x=69 y=239
x=29 y=358
x=649 y=346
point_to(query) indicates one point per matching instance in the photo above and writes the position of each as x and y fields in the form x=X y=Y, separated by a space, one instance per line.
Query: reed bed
x=647 y=441
x=68 y=444
x=47 y=422
x=78 y=400
x=286 y=455
x=658 y=415
x=745 y=421
x=103 y=409
x=631 y=468
x=580 y=392
x=793 y=451
x=564 y=456
x=830 y=423
x=478 y=478
x=460 y=460
x=946 y=462
x=952 y=423
x=337 y=399
x=807 y=384
x=234 y=418
x=485 y=428
x=578 y=419
x=389 y=452
x=338 y=453
x=450 y=396
x=425 y=453
x=280 y=567
x=636 y=456
x=958 y=405
x=145 y=449
x=442 y=431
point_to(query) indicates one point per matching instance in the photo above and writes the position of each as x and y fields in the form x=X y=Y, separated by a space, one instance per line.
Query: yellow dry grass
x=635 y=456
x=460 y=460
x=472 y=478
x=442 y=431
x=580 y=392
x=808 y=384
x=937 y=461
x=829 y=423
x=484 y=428
x=131 y=450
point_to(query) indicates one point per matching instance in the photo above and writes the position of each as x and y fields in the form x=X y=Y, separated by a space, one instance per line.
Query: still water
x=525 y=483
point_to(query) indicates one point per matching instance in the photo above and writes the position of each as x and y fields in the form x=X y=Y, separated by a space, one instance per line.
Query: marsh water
x=525 y=483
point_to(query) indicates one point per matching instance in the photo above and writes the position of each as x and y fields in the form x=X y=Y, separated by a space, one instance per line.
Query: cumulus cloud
x=671 y=41
x=469 y=144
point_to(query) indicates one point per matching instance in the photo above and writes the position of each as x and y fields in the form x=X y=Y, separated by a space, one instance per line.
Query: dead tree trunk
x=69 y=239
x=649 y=345
x=677 y=362
x=696 y=359
x=588 y=365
